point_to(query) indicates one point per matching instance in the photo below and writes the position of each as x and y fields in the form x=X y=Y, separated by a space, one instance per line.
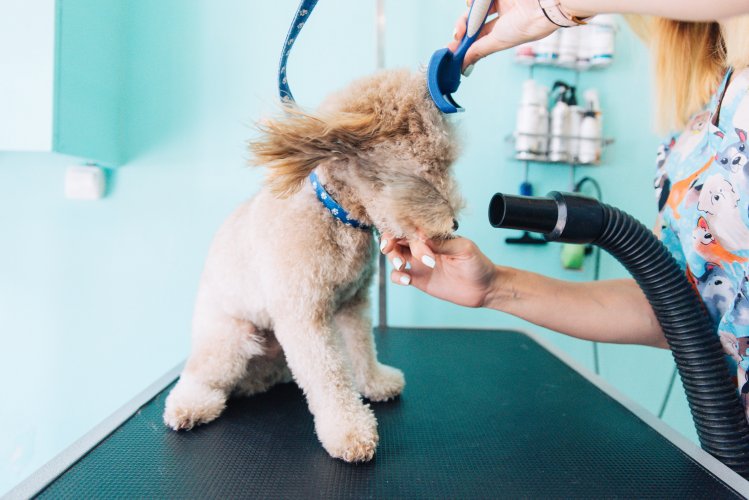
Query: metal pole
x=382 y=316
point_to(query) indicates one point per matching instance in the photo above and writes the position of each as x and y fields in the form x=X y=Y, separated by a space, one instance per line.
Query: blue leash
x=302 y=14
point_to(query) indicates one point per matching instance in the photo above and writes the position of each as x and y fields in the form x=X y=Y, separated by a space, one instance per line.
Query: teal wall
x=90 y=80
x=96 y=297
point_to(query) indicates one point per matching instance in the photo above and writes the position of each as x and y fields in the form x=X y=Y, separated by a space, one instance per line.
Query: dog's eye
x=718 y=282
x=724 y=161
x=742 y=147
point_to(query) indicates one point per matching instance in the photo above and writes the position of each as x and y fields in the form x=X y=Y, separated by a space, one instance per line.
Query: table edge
x=47 y=473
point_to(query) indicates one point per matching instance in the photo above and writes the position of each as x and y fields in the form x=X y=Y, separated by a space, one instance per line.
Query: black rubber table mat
x=485 y=414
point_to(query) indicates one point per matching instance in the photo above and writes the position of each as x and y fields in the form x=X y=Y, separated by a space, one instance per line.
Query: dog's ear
x=742 y=134
x=292 y=145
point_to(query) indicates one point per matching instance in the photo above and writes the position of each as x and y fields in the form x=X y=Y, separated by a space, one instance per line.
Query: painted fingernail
x=397 y=263
x=467 y=72
x=405 y=279
x=428 y=261
x=383 y=244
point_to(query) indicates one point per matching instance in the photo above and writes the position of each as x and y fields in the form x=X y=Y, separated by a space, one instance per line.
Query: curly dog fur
x=285 y=287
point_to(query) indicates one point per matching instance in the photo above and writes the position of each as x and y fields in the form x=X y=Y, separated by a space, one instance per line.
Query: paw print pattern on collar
x=333 y=207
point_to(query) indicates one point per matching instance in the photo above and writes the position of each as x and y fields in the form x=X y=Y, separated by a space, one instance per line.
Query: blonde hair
x=689 y=60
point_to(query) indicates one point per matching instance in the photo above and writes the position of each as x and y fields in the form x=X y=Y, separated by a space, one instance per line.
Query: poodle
x=285 y=289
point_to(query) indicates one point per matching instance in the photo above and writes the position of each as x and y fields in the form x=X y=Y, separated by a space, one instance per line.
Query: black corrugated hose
x=713 y=399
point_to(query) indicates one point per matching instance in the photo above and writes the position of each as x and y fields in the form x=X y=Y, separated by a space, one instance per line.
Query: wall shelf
x=555 y=64
x=542 y=158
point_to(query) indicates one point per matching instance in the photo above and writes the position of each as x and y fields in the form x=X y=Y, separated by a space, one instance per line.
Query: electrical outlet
x=85 y=183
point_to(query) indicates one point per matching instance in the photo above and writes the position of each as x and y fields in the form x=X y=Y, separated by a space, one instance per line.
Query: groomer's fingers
x=458 y=32
x=518 y=24
x=452 y=247
x=400 y=278
x=460 y=27
x=396 y=250
x=488 y=44
x=399 y=256
x=421 y=252
x=387 y=242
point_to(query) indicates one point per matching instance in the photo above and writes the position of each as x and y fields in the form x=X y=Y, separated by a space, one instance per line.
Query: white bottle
x=590 y=129
x=526 y=125
x=542 y=138
x=593 y=103
x=574 y=125
x=558 y=144
x=547 y=49
x=569 y=42
x=602 y=33
x=589 y=139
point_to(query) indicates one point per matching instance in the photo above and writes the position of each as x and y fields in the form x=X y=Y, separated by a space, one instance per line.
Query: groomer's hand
x=519 y=21
x=454 y=270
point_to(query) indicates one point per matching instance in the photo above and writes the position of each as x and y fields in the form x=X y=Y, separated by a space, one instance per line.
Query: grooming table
x=485 y=414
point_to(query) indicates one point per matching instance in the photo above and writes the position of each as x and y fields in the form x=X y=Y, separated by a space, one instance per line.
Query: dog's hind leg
x=265 y=371
x=222 y=346
x=374 y=380
x=345 y=426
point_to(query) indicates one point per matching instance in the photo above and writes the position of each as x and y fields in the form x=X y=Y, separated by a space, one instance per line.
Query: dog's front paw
x=385 y=383
x=191 y=403
x=352 y=437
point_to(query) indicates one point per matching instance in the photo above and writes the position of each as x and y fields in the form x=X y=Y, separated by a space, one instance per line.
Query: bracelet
x=554 y=13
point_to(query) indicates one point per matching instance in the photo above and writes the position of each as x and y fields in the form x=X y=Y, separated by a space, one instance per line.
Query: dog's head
x=717 y=196
x=736 y=156
x=702 y=233
x=384 y=141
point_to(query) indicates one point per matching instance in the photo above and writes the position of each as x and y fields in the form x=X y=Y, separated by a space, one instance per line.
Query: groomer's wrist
x=502 y=290
x=576 y=8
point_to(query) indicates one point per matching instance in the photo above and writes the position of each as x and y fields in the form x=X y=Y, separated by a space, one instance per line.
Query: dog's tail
x=292 y=145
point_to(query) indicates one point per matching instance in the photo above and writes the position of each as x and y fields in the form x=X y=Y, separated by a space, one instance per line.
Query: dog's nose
x=455 y=224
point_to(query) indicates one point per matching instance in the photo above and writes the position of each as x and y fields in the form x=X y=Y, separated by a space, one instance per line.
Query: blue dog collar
x=333 y=207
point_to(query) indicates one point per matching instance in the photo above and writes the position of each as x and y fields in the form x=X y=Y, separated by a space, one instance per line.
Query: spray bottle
x=559 y=145
x=574 y=125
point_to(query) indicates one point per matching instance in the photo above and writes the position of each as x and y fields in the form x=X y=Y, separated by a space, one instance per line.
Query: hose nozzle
x=569 y=218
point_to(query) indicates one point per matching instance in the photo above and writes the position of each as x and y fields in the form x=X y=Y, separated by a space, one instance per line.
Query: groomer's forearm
x=683 y=10
x=605 y=311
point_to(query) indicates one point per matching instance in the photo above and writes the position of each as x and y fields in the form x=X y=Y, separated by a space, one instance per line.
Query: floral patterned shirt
x=702 y=188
